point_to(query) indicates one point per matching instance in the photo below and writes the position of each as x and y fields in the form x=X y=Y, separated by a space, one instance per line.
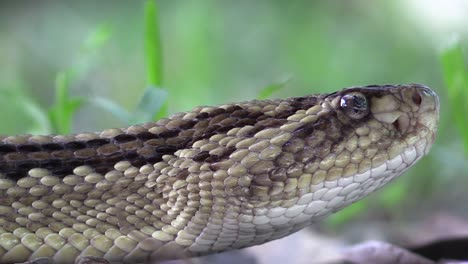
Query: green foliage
x=393 y=194
x=122 y=114
x=87 y=55
x=62 y=111
x=267 y=91
x=58 y=118
x=456 y=80
x=153 y=54
x=346 y=214
x=152 y=45
x=97 y=39
x=40 y=121
x=151 y=102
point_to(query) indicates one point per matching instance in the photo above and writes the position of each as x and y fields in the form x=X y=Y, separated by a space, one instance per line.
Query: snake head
x=334 y=150
x=363 y=137
x=391 y=118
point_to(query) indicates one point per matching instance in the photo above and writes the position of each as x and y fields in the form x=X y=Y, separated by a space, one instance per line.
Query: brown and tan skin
x=209 y=180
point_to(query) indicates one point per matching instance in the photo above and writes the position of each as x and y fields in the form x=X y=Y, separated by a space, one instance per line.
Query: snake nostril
x=416 y=97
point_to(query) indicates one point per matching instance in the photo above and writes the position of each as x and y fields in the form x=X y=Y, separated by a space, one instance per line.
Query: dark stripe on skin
x=335 y=131
x=102 y=153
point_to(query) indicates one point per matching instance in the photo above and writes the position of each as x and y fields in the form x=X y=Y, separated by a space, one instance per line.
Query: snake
x=212 y=179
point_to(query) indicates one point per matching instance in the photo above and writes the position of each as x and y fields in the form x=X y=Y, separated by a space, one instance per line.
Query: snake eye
x=355 y=105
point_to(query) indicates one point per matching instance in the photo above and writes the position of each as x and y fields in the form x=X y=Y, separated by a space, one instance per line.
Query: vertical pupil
x=358 y=103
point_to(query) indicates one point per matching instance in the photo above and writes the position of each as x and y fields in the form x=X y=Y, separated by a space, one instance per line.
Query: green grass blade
x=116 y=110
x=153 y=52
x=64 y=108
x=57 y=116
x=62 y=112
x=153 y=45
x=267 y=91
x=456 y=80
x=152 y=101
x=40 y=124
x=97 y=39
x=89 y=52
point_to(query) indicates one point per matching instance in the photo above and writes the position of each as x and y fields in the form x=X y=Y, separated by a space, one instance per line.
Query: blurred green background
x=57 y=57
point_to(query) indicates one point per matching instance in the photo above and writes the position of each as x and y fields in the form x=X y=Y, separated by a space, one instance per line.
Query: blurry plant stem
x=153 y=52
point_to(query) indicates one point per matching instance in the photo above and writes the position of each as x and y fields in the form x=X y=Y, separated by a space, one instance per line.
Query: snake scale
x=209 y=180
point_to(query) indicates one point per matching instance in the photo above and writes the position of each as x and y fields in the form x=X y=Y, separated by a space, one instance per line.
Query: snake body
x=209 y=180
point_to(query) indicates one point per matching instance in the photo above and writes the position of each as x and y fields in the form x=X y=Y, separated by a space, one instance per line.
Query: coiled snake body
x=209 y=180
